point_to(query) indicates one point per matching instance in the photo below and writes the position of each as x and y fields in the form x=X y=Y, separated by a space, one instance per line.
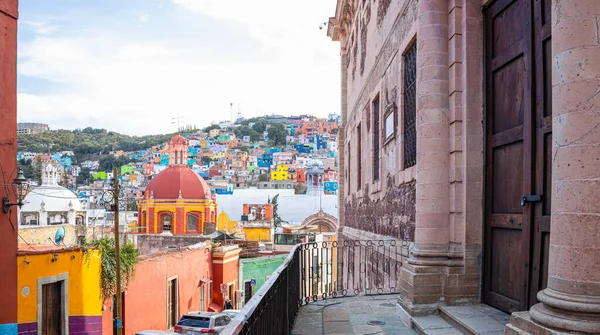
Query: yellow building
x=59 y=290
x=280 y=173
x=177 y=200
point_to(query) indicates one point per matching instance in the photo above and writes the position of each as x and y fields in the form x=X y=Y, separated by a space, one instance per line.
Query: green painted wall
x=259 y=268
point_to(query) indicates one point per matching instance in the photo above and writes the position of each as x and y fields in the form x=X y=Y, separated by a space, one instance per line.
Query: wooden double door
x=518 y=114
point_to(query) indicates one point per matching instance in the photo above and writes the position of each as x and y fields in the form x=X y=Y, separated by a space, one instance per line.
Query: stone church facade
x=471 y=128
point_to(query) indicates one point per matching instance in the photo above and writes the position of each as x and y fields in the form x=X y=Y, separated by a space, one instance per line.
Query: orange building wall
x=224 y=273
x=146 y=297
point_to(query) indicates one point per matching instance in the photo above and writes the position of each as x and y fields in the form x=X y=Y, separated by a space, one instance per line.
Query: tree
x=276 y=218
x=84 y=176
x=108 y=275
x=255 y=136
x=211 y=127
x=259 y=126
x=277 y=133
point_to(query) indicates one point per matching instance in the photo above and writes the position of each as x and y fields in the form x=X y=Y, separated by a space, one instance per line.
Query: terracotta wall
x=145 y=302
x=8 y=161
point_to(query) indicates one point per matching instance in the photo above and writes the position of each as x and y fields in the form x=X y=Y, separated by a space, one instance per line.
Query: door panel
x=509 y=156
x=52 y=309
x=543 y=134
x=518 y=151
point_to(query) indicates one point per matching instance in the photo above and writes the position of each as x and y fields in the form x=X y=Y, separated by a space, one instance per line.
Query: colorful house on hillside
x=265 y=160
x=177 y=200
x=280 y=172
x=59 y=290
x=257 y=222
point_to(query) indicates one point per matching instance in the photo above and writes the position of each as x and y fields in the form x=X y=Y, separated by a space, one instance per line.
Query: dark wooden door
x=517 y=95
x=52 y=309
x=172 y=316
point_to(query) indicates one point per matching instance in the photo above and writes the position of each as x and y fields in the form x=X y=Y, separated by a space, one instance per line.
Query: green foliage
x=259 y=126
x=276 y=218
x=277 y=133
x=255 y=136
x=108 y=271
x=211 y=127
x=109 y=162
x=88 y=141
x=242 y=131
x=84 y=176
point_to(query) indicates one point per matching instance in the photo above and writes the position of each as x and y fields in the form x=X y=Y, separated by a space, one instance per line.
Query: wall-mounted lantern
x=21 y=188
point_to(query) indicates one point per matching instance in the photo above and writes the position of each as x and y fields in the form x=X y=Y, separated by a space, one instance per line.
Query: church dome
x=50 y=196
x=178 y=182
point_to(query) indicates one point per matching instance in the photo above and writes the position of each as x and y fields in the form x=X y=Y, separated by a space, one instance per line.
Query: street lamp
x=22 y=186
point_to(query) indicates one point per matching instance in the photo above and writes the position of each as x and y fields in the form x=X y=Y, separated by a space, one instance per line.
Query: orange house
x=169 y=284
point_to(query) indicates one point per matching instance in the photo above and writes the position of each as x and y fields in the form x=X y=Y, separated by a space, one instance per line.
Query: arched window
x=166 y=220
x=192 y=223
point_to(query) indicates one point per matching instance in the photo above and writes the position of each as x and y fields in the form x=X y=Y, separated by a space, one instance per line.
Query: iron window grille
x=359 y=157
x=376 y=139
x=410 y=107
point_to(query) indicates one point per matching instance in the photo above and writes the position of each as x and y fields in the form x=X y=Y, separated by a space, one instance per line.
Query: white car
x=155 y=332
x=196 y=323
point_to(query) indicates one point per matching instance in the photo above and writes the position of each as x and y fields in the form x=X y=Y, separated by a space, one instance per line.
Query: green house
x=257 y=270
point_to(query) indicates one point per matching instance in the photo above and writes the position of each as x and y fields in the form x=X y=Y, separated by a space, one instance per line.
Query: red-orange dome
x=178 y=139
x=168 y=184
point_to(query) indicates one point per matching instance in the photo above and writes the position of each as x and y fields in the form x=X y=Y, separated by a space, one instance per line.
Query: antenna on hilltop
x=177 y=120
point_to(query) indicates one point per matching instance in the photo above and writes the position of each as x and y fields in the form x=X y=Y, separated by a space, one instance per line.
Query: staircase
x=468 y=320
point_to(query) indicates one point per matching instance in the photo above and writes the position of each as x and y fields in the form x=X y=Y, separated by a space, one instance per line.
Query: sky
x=135 y=66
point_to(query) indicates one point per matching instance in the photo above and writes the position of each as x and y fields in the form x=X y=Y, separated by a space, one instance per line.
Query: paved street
x=351 y=315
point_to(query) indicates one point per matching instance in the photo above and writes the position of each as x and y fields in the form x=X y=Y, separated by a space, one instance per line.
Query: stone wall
x=149 y=244
x=384 y=206
x=44 y=235
x=391 y=215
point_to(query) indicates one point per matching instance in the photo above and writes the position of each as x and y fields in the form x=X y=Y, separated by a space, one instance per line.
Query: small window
x=166 y=222
x=410 y=107
x=192 y=222
x=376 y=139
x=390 y=121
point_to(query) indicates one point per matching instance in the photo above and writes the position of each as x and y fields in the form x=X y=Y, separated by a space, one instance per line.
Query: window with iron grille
x=376 y=139
x=359 y=157
x=410 y=107
x=349 y=165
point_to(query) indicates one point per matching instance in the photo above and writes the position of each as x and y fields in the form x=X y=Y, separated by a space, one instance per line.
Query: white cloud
x=40 y=28
x=137 y=87
x=144 y=18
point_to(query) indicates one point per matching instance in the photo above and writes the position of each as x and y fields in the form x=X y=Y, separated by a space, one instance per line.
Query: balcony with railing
x=315 y=273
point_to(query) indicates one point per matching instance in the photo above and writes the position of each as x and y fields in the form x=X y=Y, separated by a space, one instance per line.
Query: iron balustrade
x=321 y=270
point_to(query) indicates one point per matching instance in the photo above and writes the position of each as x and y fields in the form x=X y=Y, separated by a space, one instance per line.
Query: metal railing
x=321 y=270
x=272 y=310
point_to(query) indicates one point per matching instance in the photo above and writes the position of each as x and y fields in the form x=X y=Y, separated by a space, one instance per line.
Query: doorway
x=518 y=117
x=52 y=309
x=172 y=303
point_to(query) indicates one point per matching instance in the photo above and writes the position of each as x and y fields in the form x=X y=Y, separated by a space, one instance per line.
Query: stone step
x=475 y=319
x=433 y=325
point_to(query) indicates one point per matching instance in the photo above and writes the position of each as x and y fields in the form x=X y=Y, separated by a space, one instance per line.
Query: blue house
x=164 y=160
x=330 y=187
x=265 y=160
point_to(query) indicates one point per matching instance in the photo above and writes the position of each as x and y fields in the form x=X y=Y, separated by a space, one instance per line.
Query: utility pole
x=177 y=120
x=117 y=249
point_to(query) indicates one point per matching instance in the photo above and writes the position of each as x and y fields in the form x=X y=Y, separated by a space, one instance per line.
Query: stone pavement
x=351 y=315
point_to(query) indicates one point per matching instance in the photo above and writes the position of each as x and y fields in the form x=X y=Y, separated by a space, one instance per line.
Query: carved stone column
x=422 y=276
x=572 y=299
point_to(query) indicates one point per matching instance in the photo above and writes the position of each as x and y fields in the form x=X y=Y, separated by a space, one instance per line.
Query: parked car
x=196 y=323
x=155 y=332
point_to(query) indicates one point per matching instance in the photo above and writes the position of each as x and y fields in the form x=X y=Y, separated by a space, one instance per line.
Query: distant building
x=32 y=128
x=280 y=173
